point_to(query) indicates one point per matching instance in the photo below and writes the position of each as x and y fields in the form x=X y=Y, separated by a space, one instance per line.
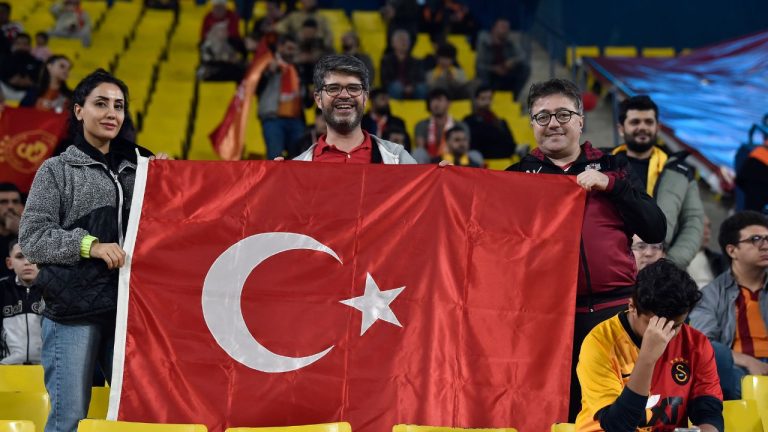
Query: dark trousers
x=585 y=322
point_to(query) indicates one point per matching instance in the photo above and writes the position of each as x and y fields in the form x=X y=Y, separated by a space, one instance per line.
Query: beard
x=345 y=125
x=637 y=147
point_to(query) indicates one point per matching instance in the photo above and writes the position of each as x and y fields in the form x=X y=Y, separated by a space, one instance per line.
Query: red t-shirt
x=361 y=154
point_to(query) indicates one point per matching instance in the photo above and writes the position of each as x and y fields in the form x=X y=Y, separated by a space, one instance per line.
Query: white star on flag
x=374 y=304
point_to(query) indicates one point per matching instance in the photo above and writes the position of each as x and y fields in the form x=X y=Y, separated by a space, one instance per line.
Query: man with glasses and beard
x=615 y=210
x=341 y=90
x=667 y=178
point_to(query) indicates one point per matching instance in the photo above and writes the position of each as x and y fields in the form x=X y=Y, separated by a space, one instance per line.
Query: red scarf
x=290 y=100
x=435 y=139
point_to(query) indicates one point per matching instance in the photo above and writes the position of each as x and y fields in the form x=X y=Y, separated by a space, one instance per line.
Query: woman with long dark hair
x=51 y=92
x=73 y=227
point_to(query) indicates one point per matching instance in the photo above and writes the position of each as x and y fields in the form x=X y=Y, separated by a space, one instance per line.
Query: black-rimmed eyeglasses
x=563 y=116
x=756 y=240
x=334 y=90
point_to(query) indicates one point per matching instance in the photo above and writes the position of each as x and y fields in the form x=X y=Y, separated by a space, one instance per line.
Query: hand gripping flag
x=284 y=293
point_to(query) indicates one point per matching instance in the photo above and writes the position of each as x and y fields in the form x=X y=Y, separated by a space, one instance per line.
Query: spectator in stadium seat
x=341 y=90
x=293 y=22
x=350 y=45
x=75 y=215
x=51 y=92
x=397 y=136
x=219 y=59
x=281 y=99
x=41 y=50
x=733 y=312
x=71 y=21
x=457 y=150
x=266 y=26
x=220 y=13
x=20 y=299
x=19 y=71
x=615 y=209
x=707 y=264
x=752 y=179
x=11 y=208
x=380 y=119
x=310 y=136
x=311 y=49
x=401 y=74
x=499 y=62
x=8 y=30
x=646 y=253
x=490 y=134
x=400 y=15
x=667 y=178
x=447 y=75
x=645 y=369
x=430 y=133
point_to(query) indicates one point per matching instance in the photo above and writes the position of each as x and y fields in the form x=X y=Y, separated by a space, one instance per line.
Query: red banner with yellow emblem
x=27 y=137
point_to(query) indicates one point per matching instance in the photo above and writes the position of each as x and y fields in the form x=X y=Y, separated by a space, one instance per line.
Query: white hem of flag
x=123 y=288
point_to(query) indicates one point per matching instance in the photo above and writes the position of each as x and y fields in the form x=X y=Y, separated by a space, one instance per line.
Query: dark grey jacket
x=74 y=195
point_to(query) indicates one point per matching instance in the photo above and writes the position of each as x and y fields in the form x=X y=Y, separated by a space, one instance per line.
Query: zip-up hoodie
x=607 y=268
x=20 y=324
x=81 y=192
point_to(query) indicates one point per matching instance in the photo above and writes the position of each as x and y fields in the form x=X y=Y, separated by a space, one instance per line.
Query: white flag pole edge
x=121 y=325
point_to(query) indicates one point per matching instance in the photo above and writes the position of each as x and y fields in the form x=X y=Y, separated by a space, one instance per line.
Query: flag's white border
x=123 y=288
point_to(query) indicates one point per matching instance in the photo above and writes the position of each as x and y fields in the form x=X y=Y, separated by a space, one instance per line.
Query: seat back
x=16 y=426
x=91 y=425
x=756 y=388
x=322 y=427
x=15 y=378
x=563 y=427
x=741 y=416
x=417 y=428
x=31 y=406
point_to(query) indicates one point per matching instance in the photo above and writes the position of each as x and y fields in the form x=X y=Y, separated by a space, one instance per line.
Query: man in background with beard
x=379 y=119
x=341 y=90
x=665 y=177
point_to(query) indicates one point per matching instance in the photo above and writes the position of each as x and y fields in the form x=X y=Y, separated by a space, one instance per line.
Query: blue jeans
x=730 y=374
x=70 y=354
x=279 y=133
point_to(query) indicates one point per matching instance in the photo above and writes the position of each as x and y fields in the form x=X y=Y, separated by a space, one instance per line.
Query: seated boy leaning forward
x=644 y=369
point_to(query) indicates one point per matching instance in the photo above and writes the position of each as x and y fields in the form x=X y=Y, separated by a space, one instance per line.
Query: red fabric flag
x=27 y=138
x=293 y=293
x=228 y=139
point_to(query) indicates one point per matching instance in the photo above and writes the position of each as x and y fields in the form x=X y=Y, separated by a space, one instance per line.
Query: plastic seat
x=31 y=406
x=322 y=427
x=764 y=418
x=368 y=21
x=741 y=416
x=422 y=46
x=580 y=51
x=620 y=51
x=563 y=427
x=16 y=426
x=14 y=378
x=756 y=388
x=89 y=425
x=99 y=403
x=658 y=52
x=416 y=428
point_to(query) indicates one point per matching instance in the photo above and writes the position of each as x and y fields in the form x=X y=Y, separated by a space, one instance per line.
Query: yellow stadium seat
x=412 y=111
x=764 y=418
x=422 y=46
x=415 y=428
x=498 y=164
x=658 y=52
x=21 y=378
x=756 y=388
x=99 y=403
x=31 y=406
x=563 y=427
x=741 y=416
x=368 y=22
x=323 y=427
x=213 y=100
x=90 y=425
x=460 y=109
x=580 y=51
x=16 y=426
x=620 y=51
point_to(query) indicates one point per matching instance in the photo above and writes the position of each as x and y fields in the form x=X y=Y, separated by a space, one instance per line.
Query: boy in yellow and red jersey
x=644 y=369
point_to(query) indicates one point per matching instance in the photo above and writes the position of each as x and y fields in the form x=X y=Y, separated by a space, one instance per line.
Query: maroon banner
x=27 y=138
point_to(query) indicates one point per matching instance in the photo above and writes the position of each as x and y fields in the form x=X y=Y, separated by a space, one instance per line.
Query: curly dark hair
x=665 y=290
x=554 y=86
x=639 y=103
x=731 y=227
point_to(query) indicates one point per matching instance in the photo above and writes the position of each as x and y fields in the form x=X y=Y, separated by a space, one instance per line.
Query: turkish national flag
x=283 y=293
x=27 y=138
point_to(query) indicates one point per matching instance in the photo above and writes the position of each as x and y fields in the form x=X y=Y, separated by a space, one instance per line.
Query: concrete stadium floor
x=599 y=130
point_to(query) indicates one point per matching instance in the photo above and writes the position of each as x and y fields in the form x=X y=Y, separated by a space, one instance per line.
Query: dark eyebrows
x=104 y=98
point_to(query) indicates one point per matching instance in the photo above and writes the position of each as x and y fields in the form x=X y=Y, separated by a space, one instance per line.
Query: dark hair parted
x=665 y=290
x=85 y=87
x=638 y=103
x=731 y=227
x=554 y=86
x=340 y=63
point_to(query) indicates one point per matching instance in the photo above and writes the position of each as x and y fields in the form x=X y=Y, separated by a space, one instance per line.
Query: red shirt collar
x=323 y=146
